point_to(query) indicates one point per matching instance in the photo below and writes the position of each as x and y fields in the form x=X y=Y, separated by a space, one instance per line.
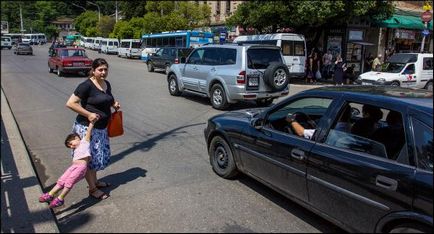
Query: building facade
x=65 y=26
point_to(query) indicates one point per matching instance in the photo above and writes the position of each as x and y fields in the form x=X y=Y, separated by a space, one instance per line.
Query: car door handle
x=195 y=68
x=213 y=69
x=386 y=182
x=297 y=154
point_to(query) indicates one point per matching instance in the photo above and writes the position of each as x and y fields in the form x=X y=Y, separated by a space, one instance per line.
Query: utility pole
x=116 y=11
x=21 y=18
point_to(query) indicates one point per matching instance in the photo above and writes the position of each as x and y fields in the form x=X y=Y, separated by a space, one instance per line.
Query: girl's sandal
x=94 y=193
x=102 y=184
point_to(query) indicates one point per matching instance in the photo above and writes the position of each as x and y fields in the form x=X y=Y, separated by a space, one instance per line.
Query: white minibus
x=293 y=48
x=88 y=43
x=96 y=43
x=130 y=48
x=109 y=45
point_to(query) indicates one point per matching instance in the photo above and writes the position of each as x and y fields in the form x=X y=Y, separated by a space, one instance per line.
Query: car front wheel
x=150 y=67
x=221 y=158
x=218 y=97
x=173 y=86
x=429 y=86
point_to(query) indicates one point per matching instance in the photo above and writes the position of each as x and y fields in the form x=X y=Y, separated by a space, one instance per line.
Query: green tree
x=87 y=22
x=106 y=25
x=132 y=8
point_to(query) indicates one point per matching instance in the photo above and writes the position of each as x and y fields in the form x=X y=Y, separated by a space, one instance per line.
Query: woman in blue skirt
x=92 y=100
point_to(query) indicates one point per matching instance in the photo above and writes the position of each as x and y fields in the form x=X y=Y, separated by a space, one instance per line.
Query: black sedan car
x=164 y=57
x=370 y=170
x=23 y=48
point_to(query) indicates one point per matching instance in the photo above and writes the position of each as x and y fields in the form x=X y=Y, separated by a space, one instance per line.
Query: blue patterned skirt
x=99 y=146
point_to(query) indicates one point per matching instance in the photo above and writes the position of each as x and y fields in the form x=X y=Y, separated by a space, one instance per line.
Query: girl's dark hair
x=70 y=137
x=96 y=63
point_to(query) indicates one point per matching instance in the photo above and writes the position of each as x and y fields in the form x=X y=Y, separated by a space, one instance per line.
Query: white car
x=403 y=69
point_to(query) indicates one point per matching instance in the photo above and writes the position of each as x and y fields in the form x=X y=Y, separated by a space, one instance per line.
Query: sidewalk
x=21 y=211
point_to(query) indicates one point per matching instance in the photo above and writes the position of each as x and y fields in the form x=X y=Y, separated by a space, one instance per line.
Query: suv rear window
x=261 y=58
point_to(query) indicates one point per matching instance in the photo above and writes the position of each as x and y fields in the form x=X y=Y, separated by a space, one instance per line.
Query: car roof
x=68 y=48
x=415 y=98
x=250 y=46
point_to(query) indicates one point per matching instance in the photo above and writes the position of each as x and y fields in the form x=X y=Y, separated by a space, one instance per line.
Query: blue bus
x=185 y=39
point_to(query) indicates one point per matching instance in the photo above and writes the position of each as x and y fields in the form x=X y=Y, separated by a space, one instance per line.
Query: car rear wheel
x=49 y=69
x=428 y=86
x=395 y=83
x=150 y=67
x=218 y=97
x=173 y=86
x=276 y=76
x=221 y=158
x=59 y=72
x=167 y=69
x=411 y=228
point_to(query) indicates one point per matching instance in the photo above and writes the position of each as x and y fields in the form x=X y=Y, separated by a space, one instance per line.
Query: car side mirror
x=257 y=123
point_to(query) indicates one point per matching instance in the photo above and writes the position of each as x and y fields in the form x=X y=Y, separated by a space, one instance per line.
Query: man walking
x=376 y=64
x=327 y=64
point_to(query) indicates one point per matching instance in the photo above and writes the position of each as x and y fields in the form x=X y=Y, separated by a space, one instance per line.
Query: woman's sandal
x=102 y=196
x=102 y=184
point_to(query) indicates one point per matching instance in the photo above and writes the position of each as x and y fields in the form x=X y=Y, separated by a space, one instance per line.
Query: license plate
x=78 y=64
x=253 y=81
x=366 y=83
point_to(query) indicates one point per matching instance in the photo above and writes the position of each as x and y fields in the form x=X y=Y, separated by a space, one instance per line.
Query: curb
x=37 y=216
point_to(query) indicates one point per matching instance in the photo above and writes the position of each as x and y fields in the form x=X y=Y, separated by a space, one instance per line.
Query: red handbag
x=115 y=127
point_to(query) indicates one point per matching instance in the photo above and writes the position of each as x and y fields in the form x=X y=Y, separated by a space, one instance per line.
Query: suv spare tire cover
x=276 y=76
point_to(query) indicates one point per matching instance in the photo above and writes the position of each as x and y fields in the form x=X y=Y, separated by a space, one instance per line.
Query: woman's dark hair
x=96 y=63
x=70 y=137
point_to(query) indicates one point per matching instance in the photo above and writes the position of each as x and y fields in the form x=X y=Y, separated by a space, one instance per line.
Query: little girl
x=76 y=172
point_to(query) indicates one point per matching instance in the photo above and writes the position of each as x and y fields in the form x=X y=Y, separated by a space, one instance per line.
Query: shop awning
x=404 y=21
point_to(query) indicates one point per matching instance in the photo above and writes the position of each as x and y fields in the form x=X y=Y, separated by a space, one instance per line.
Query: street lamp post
x=99 y=12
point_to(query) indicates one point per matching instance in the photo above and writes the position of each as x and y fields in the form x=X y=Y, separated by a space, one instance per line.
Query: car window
x=369 y=129
x=196 y=57
x=135 y=45
x=165 y=51
x=72 y=53
x=227 y=56
x=261 y=58
x=427 y=64
x=310 y=110
x=184 y=52
x=409 y=69
x=160 y=52
x=211 y=56
x=424 y=144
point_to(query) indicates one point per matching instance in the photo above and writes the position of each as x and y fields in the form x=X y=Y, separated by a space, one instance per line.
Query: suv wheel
x=276 y=76
x=221 y=158
x=173 y=86
x=429 y=86
x=264 y=102
x=395 y=83
x=150 y=67
x=218 y=97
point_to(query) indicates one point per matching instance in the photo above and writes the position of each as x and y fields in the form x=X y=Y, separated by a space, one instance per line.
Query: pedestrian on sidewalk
x=93 y=98
x=376 y=64
x=76 y=172
x=340 y=68
x=327 y=64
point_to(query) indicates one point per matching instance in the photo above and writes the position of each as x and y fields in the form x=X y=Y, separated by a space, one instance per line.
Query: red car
x=69 y=60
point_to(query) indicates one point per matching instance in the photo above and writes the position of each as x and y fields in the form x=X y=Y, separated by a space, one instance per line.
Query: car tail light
x=67 y=63
x=176 y=61
x=241 y=78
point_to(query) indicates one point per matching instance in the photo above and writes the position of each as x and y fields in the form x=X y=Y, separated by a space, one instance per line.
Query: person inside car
x=367 y=125
x=392 y=136
x=294 y=120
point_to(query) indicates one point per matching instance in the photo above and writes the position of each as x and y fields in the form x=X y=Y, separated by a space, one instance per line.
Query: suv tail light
x=176 y=61
x=241 y=77
x=67 y=63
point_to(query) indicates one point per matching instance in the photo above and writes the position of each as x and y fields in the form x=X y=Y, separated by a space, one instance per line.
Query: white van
x=88 y=43
x=6 y=42
x=96 y=43
x=130 y=48
x=109 y=45
x=403 y=69
x=293 y=48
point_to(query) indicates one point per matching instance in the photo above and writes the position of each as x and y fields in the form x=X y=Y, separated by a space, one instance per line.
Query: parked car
x=231 y=73
x=23 y=48
x=165 y=57
x=403 y=69
x=6 y=42
x=382 y=182
x=69 y=60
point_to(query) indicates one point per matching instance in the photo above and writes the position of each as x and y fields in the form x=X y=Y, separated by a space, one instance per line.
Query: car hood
x=374 y=75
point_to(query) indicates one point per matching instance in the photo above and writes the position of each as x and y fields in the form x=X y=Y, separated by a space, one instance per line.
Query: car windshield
x=135 y=45
x=393 y=67
x=261 y=58
x=73 y=53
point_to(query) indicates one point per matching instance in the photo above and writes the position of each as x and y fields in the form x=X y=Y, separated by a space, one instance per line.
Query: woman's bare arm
x=73 y=103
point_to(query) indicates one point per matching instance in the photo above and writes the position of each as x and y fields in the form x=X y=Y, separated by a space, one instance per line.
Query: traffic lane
x=162 y=152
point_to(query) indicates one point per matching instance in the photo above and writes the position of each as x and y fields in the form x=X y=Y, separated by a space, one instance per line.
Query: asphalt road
x=160 y=171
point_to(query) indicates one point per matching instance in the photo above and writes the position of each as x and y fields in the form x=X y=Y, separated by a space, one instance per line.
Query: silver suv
x=231 y=73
